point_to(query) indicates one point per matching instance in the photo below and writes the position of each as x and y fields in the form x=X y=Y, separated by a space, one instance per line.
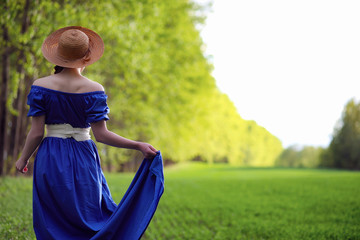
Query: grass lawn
x=220 y=202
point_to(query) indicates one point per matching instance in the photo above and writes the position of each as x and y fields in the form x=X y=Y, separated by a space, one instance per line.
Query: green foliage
x=157 y=78
x=344 y=150
x=295 y=156
x=203 y=201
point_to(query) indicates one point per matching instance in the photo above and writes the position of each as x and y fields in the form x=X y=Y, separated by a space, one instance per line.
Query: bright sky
x=289 y=65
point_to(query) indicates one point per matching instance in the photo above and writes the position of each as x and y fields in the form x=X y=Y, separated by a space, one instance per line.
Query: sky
x=291 y=66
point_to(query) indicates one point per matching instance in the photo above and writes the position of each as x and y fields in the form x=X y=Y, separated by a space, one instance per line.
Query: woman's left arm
x=33 y=140
x=103 y=135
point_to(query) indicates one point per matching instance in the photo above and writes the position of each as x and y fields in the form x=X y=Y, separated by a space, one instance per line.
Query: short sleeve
x=36 y=102
x=97 y=108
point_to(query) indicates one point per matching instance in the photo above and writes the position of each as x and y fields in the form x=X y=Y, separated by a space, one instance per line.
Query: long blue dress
x=71 y=199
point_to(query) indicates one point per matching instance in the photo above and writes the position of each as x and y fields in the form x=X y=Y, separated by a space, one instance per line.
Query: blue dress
x=71 y=199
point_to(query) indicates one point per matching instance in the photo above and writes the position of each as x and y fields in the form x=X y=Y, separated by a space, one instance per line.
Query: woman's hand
x=147 y=150
x=21 y=165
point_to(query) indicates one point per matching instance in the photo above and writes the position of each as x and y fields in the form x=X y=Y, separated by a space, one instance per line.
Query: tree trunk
x=5 y=67
x=19 y=128
x=19 y=103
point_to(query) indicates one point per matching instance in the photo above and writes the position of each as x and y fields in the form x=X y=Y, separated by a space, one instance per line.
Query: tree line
x=343 y=151
x=154 y=71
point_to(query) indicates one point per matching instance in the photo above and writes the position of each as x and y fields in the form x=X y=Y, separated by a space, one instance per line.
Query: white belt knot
x=67 y=131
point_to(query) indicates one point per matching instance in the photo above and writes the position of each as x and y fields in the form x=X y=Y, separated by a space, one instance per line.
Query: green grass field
x=221 y=202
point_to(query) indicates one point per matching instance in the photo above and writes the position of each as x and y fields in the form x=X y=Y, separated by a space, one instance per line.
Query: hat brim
x=50 y=45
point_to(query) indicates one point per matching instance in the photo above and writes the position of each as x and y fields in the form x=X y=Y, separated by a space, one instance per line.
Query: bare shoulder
x=75 y=85
x=43 y=82
x=94 y=86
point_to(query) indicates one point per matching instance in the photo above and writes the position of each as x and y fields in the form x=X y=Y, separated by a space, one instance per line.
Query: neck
x=72 y=71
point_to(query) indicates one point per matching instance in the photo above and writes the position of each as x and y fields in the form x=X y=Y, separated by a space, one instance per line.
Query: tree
x=296 y=156
x=344 y=149
x=16 y=69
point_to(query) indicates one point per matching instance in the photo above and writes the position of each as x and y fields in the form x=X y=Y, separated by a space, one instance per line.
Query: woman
x=71 y=199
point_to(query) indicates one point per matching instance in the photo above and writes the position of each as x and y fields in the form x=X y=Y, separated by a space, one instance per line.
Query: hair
x=58 y=69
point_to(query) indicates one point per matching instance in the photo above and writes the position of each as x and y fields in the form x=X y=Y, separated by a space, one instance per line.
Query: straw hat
x=73 y=47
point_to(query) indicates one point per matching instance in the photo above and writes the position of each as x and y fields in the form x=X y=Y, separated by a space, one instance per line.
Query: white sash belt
x=67 y=131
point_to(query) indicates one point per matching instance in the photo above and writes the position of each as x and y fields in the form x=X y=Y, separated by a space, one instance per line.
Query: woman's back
x=76 y=109
x=66 y=81
x=68 y=98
